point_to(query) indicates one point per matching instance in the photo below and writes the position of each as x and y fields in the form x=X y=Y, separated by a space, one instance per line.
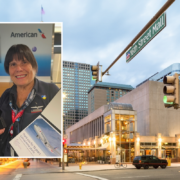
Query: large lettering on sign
x=23 y=34
x=153 y=30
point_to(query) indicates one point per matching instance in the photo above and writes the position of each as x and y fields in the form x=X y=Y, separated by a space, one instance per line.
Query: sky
x=99 y=30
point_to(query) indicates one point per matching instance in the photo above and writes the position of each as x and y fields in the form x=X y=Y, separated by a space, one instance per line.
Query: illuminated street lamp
x=64 y=95
x=114 y=139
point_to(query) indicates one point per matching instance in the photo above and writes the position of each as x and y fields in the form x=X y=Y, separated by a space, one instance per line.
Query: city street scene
x=117 y=114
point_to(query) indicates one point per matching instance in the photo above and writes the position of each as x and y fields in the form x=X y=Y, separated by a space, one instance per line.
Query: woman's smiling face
x=21 y=72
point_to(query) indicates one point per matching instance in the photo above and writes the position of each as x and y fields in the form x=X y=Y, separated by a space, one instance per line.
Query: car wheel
x=163 y=166
x=138 y=167
x=155 y=167
x=146 y=167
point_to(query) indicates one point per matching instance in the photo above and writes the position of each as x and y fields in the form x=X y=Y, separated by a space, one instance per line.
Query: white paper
x=38 y=139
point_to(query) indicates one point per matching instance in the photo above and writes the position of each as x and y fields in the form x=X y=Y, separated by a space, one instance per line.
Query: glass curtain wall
x=124 y=129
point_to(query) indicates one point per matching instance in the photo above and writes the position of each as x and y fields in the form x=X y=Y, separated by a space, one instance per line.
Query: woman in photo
x=26 y=99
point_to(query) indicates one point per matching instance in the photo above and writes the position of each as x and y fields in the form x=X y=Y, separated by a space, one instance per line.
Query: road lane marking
x=96 y=177
x=132 y=177
x=18 y=177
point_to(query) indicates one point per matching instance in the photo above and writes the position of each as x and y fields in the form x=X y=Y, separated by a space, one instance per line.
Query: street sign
x=153 y=30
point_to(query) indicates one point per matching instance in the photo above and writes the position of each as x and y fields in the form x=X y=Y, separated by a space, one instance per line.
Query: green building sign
x=153 y=30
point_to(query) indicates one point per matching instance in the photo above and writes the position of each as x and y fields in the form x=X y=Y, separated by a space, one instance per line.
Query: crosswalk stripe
x=96 y=177
x=18 y=177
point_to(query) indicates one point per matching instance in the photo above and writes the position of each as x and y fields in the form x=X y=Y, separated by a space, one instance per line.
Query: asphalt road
x=139 y=174
x=42 y=171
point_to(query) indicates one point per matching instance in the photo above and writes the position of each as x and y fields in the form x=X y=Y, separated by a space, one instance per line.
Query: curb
x=66 y=171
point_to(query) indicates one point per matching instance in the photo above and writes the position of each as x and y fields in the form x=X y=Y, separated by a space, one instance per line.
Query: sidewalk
x=103 y=167
x=39 y=167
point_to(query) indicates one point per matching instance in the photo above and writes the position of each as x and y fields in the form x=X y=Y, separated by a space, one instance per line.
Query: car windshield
x=137 y=158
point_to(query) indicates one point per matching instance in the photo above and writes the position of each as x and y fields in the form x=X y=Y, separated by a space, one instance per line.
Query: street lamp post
x=59 y=162
x=63 y=168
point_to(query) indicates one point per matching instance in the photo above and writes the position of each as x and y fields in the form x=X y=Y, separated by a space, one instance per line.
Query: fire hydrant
x=80 y=165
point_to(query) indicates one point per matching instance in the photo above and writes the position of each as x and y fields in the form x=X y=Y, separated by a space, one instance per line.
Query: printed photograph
x=45 y=136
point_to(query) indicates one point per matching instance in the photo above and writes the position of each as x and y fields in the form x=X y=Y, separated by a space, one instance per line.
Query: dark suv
x=149 y=160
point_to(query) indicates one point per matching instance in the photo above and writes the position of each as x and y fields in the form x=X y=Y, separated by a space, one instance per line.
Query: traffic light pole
x=63 y=168
x=59 y=162
x=165 y=6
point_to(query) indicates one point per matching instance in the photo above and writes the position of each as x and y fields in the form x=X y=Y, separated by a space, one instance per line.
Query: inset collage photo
x=30 y=93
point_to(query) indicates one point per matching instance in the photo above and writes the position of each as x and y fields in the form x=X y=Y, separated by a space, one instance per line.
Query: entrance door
x=163 y=154
x=141 y=152
x=123 y=156
x=168 y=154
x=148 y=152
x=153 y=152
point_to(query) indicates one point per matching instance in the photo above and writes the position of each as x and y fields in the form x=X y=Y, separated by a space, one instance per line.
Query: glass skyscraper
x=77 y=79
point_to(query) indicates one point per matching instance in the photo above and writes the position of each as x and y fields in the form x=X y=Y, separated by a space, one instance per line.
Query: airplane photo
x=42 y=137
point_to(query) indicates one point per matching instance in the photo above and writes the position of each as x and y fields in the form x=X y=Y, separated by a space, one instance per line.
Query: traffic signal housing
x=171 y=91
x=95 y=72
x=64 y=141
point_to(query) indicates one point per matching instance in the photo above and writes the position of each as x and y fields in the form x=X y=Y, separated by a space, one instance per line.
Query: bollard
x=169 y=162
x=80 y=166
x=25 y=164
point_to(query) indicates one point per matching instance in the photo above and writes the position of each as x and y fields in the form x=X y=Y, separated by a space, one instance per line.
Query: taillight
x=139 y=161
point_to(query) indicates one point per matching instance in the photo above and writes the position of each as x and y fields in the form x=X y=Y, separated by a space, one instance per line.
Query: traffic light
x=64 y=141
x=95 y=72
x=171 y=91
x=65 y=151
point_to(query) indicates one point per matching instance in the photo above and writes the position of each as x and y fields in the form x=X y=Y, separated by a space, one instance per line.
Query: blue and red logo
x=42 y=34
x=127 y=55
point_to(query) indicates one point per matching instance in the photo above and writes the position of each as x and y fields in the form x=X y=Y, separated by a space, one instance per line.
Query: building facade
x=103 y=93
x=174 y=68
x=149 y=128
x=77 y=79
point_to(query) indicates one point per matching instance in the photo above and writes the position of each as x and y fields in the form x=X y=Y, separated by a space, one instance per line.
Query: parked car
x=149 y=160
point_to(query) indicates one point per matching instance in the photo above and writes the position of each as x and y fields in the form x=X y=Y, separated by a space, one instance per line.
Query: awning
x=104 y=147
x=74 y=146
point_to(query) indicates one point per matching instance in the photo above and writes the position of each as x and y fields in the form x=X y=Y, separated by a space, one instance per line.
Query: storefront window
x=107 y=124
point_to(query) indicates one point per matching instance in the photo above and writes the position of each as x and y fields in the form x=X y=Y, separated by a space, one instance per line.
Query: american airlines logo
x=28 y=35
x=42 y=34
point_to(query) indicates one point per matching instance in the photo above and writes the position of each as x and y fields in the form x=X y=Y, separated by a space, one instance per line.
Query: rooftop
x=112 y=85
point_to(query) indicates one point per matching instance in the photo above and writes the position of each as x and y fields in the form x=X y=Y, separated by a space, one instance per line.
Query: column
x=90 y=144
x=178 y=145
x=112 y=121
x=137 y=143
x=96 y=146
x=112 y=141
x=85 y=151
x=159 y=140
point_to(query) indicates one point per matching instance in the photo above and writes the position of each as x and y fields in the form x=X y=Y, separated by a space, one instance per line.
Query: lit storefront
x=120 y=126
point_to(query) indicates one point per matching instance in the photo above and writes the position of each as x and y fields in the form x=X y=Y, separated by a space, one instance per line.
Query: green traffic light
x=93 y=79
x=165 y=100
